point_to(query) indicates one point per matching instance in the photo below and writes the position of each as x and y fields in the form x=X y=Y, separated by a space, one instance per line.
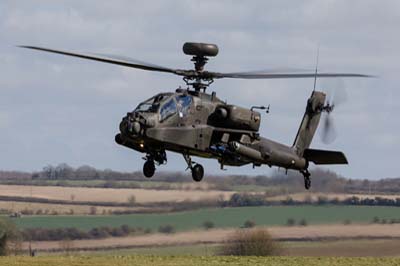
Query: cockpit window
x=168 y=110
x=152 y=104
x=145 y=107
x=183 y=102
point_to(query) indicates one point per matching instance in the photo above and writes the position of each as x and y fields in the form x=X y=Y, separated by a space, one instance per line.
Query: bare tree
x=251 y=242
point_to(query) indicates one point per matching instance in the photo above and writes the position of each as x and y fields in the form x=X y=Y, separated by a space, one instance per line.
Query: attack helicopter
x=193 y=122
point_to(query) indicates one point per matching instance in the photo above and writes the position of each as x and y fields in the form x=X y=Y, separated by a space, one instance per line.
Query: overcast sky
x=57 y=109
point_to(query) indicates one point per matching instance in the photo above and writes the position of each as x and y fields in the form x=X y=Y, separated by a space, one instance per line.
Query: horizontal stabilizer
x=325 y=157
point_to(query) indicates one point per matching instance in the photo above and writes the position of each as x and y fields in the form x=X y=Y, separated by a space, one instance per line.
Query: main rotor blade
x=193 y=74
x=259 y=75
x=117 y=60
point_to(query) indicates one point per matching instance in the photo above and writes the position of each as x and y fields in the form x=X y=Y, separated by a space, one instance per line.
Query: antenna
x=316 y=70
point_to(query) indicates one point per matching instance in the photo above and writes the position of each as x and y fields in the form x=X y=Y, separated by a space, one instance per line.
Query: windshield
x=145 y=107
x=184 y=102
x=151 y=105
x=168 y=110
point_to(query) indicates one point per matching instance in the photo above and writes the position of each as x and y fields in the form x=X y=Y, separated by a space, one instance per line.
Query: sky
x=56 y=109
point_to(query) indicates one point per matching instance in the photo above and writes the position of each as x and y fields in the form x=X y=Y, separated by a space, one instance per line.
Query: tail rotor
x=336 y=96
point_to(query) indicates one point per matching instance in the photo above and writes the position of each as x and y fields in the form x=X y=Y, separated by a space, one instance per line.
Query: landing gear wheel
x=197 y=172
x=307 y=179
x=149 y=168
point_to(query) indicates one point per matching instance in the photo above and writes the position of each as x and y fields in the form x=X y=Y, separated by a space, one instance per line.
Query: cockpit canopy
x=151 y=105
x=167 y=105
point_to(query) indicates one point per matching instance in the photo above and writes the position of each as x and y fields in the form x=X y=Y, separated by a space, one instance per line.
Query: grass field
x=314 y=196
x=343 y=248
x=315 y=233
x=192 y=260
x=227 y=217
x=347 y=248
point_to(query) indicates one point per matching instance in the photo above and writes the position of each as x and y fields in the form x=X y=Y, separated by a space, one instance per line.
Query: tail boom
x=309 y=123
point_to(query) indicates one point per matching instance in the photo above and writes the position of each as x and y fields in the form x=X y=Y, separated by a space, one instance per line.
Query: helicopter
x=193 y=122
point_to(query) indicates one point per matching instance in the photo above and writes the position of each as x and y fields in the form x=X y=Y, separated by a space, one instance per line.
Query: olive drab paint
x=194 y=123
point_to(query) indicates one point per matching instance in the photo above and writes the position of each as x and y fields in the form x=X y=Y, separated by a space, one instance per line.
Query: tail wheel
x=307 y=179
x=149 y=168
x=197 y=172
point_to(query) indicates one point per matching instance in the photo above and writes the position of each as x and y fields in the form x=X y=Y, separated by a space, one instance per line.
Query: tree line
x=235 y=200
x=323 y=180
x=246 y=199
x=72 y=233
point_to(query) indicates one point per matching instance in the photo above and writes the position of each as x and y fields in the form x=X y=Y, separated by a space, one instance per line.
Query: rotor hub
x=200 y=49
x=200 y=53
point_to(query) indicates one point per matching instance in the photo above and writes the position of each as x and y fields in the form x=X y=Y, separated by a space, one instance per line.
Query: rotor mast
x=199 y=51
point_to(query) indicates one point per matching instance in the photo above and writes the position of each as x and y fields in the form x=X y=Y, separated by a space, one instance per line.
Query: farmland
x=342 y=248
x=225 y=217
x=109 y=195
x=329 y=229
x=304 y=237
x=59 y=208
x=191 y=260
x=98 y=183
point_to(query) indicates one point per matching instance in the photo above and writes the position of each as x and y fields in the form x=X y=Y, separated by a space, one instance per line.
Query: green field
x=227 y=217
x=192 y=260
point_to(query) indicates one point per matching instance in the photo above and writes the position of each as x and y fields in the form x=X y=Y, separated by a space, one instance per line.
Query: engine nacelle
x=235 y=117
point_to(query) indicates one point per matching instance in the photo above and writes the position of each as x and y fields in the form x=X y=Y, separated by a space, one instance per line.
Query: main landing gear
x=149 y=167
x=307 y=179
x=197 y=169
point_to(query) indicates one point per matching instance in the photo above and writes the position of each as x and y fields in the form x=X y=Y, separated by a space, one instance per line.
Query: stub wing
x=325 y=157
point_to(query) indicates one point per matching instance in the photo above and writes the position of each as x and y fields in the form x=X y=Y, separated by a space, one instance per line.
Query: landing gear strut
x=197 y=169
x=307 y=179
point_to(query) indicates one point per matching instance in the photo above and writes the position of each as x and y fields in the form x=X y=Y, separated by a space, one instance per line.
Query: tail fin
x=310 y=122
x=325 y=157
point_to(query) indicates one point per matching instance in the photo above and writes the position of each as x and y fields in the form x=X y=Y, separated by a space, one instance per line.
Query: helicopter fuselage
x=200 y=124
